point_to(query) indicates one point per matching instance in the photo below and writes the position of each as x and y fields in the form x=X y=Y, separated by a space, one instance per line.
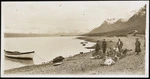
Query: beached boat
x=22 y=55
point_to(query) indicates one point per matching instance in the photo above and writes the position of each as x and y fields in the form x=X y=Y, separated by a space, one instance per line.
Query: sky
x=63 y=16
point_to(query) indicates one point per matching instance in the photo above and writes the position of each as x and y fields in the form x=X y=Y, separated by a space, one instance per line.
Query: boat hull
x=20 y=55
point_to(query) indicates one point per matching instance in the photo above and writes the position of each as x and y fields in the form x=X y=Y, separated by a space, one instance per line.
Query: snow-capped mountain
x=111 y=21
x=137 y=21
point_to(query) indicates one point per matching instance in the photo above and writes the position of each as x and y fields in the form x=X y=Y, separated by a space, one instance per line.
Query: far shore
x=81 y=64
x=22 y=35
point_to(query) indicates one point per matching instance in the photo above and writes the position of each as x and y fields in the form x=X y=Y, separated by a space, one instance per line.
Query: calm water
x=46 y=48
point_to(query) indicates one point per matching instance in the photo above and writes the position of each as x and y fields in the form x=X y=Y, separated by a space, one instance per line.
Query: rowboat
x=21 y=55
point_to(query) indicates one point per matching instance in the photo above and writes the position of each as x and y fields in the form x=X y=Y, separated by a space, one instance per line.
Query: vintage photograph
x=75 y=39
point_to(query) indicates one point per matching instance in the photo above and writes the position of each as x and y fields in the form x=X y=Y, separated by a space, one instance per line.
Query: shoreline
x=82 y=64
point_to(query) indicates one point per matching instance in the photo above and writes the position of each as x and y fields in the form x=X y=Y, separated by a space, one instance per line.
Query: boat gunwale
x=18 y=53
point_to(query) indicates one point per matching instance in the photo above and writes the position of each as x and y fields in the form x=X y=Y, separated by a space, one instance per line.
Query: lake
x=46 y=49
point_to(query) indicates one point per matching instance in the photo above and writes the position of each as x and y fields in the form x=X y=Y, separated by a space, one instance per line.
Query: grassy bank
x=81 y=64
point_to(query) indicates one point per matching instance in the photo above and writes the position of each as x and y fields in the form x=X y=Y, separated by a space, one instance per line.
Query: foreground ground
x=79 y=64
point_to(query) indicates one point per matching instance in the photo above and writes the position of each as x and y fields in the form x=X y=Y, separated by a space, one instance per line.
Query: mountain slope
x=136 y=22
x=104 y=27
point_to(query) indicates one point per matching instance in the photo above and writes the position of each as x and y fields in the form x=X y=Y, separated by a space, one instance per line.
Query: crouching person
x=98 y=55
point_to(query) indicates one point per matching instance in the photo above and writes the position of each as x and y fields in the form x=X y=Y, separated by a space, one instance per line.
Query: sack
x=109 y=61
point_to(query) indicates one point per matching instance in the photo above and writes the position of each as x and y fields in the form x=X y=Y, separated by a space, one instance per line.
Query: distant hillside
x=38 y=35
x=24 y=35
x=120 y=27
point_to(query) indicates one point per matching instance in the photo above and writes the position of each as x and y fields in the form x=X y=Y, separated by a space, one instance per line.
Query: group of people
x=119 y=46
x=104 y=45
x=110 y=53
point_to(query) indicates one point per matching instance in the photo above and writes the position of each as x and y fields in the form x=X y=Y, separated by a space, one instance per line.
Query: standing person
x=137 y=46
x=119 y=44
x=104 y=44
x=97 y=47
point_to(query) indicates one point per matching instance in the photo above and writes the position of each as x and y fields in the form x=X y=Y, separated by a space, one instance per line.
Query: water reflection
x=21 y=61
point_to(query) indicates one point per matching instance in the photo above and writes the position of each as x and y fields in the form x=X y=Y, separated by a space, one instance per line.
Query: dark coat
x=97 y=48
x=119 y=45
x=137 y=46
x=104 y=44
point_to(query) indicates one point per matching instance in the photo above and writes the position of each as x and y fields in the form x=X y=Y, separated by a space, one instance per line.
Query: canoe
x=22 y=55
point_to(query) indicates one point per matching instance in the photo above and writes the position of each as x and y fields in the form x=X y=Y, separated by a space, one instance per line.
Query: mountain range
x=113 y=27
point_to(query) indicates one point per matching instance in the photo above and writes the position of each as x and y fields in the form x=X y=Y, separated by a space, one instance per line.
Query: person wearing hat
x=104 y=45
x=137 y=46
x=97 y=48
x=119 y=44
